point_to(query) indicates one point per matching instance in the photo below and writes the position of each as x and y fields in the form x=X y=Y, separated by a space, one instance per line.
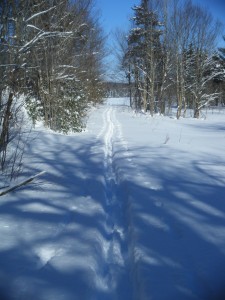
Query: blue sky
x=116 y=13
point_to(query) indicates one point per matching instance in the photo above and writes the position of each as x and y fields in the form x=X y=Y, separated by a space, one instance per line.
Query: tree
x=202 y=70
x=219 y=80
x=11 y=144
x=143 y=55
x=193 y=27
x=51 y=56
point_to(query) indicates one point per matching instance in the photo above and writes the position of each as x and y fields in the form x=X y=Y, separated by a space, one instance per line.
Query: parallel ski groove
x=117 y=259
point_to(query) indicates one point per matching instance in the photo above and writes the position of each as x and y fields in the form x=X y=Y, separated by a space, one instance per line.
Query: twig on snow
x=22 y=183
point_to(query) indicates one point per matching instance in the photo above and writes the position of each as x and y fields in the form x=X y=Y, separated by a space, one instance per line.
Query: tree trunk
x=4 y=138
x=196 y=109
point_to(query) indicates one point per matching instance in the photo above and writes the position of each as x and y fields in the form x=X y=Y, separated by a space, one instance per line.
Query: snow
x=132 y=208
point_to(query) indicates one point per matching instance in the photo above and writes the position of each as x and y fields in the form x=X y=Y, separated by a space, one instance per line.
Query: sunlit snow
x=133 y=208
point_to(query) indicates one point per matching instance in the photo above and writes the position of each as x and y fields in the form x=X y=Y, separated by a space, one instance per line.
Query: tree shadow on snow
x=54 y=236
x=177 y=223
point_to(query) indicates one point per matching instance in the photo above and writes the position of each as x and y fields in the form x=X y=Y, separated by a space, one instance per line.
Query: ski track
x=112 y=269
x=117 y=258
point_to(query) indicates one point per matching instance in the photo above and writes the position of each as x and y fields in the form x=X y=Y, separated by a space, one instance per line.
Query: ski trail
x=118 y=275
x=108 y=146
x=104 y=127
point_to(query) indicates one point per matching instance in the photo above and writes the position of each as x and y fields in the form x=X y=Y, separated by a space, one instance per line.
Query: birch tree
x=190 y=24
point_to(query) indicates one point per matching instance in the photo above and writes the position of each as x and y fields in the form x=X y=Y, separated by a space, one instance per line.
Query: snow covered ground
x=133 y=208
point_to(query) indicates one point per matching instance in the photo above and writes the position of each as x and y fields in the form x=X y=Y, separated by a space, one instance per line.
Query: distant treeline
x=117 y=89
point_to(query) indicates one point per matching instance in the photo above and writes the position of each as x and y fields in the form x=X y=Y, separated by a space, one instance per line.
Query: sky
x=116 y=13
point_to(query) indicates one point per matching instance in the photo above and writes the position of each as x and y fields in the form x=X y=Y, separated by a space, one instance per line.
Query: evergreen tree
x=56 y=49
x=143 y=54
x=51 y=53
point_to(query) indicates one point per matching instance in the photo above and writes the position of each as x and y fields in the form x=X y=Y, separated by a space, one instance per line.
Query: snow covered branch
x=42 y=35
x=40 y=13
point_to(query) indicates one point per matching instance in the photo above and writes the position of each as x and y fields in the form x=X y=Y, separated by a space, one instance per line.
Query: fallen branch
x=22 y=183
x=4 y=187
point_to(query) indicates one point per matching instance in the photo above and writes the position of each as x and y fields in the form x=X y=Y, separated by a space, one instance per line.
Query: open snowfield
x=131 y=209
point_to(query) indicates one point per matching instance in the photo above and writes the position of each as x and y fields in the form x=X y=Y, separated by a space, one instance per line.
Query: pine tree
x=144 y=55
